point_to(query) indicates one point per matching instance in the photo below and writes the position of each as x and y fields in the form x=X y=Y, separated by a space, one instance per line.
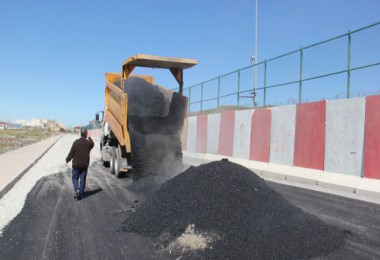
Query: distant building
x=6 y=125
x=93 y=124
x=45 y=124
x=13 y=126
x=36 y=122
x=20 y=122
x=77 y=129
x=3 y=125
x=53 y=126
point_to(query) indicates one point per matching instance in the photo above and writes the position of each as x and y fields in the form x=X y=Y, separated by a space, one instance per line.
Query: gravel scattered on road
x=13 y=201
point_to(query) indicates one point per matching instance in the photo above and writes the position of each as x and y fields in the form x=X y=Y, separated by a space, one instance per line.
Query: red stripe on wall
x=226 y=135
x=372 y=138
x=260 y=135
x=201 y=134
x=309 y=144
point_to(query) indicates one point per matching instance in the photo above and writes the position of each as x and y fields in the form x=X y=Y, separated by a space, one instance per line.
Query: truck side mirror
x=97 y=117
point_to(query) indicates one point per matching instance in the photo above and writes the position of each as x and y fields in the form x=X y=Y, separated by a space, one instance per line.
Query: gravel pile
x=232 y=214
x=155 y=121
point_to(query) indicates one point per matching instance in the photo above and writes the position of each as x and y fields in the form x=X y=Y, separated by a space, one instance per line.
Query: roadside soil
x=14 y=139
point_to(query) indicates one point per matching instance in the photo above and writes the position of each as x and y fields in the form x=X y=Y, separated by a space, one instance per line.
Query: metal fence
x=324 y=70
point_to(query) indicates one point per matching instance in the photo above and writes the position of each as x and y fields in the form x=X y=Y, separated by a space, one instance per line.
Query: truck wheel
x=117 y=162
x=101 y=152
x=104 y=163
x=112 y=162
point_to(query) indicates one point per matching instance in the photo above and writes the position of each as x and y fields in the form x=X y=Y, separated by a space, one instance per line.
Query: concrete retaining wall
x=226 y=133
x=260 y=135
x=309 y=143
x=345 y=136
x=201 y=135
x=242 y=134
x=213 y=127
x=340 y=136
x=372 y=138
x=283 y=127
x=191 y=140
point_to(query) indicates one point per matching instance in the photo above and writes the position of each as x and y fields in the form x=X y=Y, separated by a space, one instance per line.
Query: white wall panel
x=345 y=136
x=191 y=134
x=242 y=133
x=282 y=135
x=213 y=129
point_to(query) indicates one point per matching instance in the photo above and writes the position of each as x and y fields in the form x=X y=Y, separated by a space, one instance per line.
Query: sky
x=54 y=54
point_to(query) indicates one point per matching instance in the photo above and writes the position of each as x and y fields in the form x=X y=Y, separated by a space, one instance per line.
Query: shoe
x=77 y=195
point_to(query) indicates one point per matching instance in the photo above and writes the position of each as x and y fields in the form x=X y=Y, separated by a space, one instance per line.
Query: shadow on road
x=92 y=192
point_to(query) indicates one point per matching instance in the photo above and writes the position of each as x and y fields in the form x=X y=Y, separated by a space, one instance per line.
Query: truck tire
x=117 y=162
x=112 y=162
x=104 y=163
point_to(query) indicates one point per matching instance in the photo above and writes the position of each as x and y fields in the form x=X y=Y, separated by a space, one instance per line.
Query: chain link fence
x=340 y=67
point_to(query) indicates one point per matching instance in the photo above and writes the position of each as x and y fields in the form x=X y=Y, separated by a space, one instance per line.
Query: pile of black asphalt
x=248 y=219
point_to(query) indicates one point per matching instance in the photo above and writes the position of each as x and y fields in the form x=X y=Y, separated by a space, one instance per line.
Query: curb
x=10 y=185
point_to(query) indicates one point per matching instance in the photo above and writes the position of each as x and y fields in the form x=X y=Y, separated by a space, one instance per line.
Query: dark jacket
x=80 y=153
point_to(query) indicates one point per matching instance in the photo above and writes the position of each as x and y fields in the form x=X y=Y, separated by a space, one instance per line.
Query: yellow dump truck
x=143 y=122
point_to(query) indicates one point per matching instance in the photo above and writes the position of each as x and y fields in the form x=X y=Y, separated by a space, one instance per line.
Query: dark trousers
x=79 y=174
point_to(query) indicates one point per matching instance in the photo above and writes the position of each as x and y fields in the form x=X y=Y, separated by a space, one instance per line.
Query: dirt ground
x=14 y=139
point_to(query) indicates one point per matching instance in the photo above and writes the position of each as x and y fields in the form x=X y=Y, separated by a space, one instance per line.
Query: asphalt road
x=361 y=219
x=52 y=225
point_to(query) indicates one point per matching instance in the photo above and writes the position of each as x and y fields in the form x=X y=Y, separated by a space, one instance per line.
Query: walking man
x=80 y=154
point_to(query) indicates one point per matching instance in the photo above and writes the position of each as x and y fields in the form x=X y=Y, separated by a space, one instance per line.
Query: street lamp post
x=256 y=60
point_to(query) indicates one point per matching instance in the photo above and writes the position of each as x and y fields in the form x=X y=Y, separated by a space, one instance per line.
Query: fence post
x=348 y=64
x=238 y=91
x=300 y=84
x=218 y=90
x=201 y=96
x=265 y=83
